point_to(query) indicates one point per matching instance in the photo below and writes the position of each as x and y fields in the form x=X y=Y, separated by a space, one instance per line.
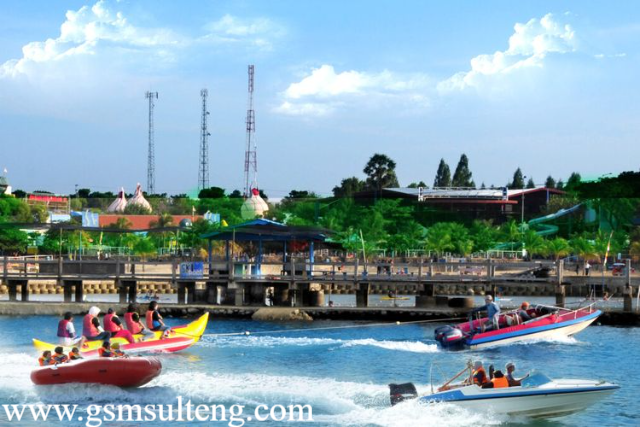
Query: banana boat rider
x=91 y=328
x=154 y=320
x=67 y=332
x=134 y=325
x=113 y=325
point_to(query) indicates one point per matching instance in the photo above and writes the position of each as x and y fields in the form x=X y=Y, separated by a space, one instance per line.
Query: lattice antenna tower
x=151 y=158
x=250 y=158
x=203 y=165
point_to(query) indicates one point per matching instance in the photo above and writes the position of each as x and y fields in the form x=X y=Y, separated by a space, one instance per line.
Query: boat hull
x=547 y=402
x=182 y=337
x=121 y=372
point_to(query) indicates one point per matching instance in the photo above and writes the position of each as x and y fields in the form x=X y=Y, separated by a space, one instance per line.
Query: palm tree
x=439 y=238
x=583 y=247
x=534 y=243
x=164 y=220
x=558 y=247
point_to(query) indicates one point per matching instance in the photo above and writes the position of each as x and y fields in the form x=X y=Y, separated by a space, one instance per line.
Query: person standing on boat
x=493 y=312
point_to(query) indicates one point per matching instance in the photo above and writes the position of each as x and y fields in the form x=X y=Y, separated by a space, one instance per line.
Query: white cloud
x=256 y=32
x=84 y=32
x=528 y=47
x=323 y=90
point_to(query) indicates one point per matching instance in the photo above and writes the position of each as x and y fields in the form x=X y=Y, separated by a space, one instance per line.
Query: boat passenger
x=498 y=381
x=115 y=350
x=154 y=320
x=511 y=368
x=67 y=332
x=493 y=312
x=91 y=328
x=74 y=354
x=113 y=325
x=105 y=350
x=45 y=359
x=479 y=374
x=59 y=356
x=524 y=315
x=134 y=325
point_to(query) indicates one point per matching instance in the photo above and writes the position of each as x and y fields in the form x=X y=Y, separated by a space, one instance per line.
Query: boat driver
x=511 y=368
x=493 y=312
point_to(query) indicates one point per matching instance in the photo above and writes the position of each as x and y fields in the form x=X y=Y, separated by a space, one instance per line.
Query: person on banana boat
x=105 y=350
x=91 y=329
x=67 y=332
x=154 y=320
x=134 y=325
x=113 y=325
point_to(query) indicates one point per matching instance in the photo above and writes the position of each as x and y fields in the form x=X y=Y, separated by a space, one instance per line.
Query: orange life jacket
x=44 y=361
x=132 y=326
x=75 y=356
x=500 y=382
x=103 y=352
x=59 y=358
x=118 y=353
x=109 y=324
x=480 y=376
x=149 y=319
x=88 y=329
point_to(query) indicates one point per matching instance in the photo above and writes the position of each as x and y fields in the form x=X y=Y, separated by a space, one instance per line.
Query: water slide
x=539 y=226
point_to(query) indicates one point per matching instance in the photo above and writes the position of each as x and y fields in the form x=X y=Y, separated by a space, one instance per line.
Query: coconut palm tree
x=583 y=247
x=558 y=248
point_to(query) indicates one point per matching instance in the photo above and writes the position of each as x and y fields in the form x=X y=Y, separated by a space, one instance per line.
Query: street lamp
x=522 y=217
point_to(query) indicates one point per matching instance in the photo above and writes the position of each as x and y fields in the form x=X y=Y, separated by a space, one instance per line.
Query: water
x=342 y=373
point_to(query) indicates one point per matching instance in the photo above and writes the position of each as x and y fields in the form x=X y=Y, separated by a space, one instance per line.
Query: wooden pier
x=291 y=283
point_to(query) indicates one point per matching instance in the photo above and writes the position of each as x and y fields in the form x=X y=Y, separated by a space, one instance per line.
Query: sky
x=547 y=86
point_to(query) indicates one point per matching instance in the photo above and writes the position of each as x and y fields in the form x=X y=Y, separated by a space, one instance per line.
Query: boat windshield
x=535 y=379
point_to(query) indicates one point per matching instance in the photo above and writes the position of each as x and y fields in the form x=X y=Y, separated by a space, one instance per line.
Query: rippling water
x=342 y=373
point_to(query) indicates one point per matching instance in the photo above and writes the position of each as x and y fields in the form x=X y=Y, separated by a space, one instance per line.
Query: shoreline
x=614 y=317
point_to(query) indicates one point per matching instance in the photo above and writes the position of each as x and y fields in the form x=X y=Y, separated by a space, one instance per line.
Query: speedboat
x=537 y=396
x=546 y=322
x=180 y=338
x=121 y=372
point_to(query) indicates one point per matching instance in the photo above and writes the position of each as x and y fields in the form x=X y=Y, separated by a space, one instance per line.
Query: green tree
x=13 y=241
x=211 y=193
x=381 y=172
x=439 y=238
x=417 y=184
x=462 y=177
x=530 y=183
x=534 y=244
x=573 y=181
x=136 y=209
x=483 y=234
x=518 y=180
x=348 y=187
x=582 y=247
x=557 y=248
x=550 y=182
x=443 y=175
x=144 y=247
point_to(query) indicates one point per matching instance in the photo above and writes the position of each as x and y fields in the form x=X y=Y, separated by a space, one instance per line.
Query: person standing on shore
x=587 y=267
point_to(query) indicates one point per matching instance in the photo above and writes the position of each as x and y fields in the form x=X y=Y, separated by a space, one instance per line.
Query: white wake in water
x=333 y=402
x=271 y=342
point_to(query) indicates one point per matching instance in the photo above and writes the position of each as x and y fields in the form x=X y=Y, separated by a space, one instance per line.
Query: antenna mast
x=203 y=169
x=250 y=158
x=151 y=159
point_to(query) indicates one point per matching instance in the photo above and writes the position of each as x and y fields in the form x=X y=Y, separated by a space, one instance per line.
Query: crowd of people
x=495 y=379
x=111 y=327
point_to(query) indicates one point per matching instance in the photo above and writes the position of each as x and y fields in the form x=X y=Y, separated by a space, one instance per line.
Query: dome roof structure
x=139 y=200
x=254 y=206
x=119 y=204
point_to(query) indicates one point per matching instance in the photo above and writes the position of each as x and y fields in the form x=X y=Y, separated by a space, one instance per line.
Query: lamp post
x=522 y=217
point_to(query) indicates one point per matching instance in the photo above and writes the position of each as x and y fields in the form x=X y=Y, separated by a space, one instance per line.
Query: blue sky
x=550 y=87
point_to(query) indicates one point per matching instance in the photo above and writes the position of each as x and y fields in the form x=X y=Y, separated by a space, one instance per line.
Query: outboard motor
x=449 y=337
x=400 y=392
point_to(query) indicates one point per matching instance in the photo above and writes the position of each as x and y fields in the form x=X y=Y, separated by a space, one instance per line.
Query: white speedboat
x=538 y=396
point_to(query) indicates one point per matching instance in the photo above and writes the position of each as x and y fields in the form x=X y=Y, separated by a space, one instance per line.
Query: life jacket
x=118 y=353
x=88 y=329
x=149 y=319
x=74 y=356
x=103 y=352
x=500 y=382
x=59 y=358
x=132 y=326
x=480 y=377
x=109 y=325
x=44 y=361
x=62 y=329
